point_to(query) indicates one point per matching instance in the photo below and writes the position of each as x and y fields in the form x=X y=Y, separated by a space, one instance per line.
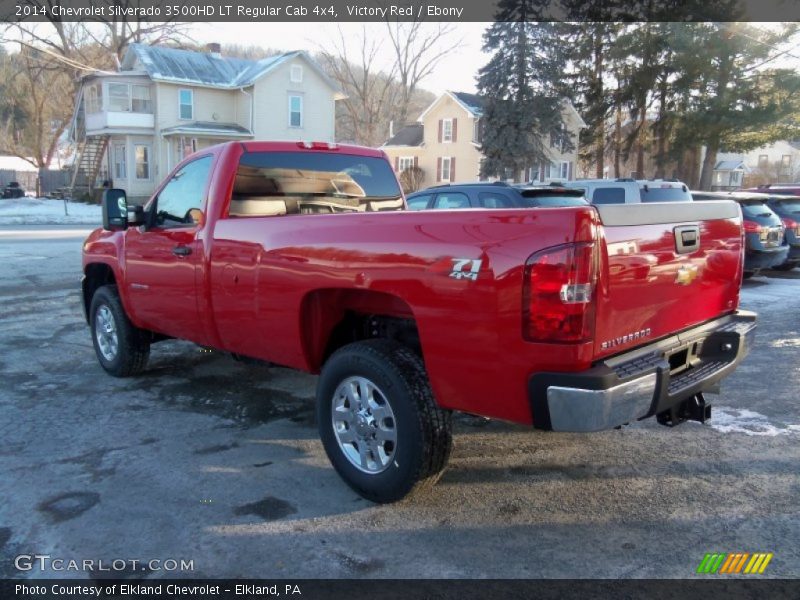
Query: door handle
x=181 y=251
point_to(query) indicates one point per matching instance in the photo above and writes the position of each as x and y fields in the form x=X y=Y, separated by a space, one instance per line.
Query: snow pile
x=748 y=422
x=44 y=211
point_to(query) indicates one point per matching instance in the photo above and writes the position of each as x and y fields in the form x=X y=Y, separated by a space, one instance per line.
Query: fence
x=49 y=180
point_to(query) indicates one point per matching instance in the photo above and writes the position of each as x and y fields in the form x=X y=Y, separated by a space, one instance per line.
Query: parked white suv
x=631 y=191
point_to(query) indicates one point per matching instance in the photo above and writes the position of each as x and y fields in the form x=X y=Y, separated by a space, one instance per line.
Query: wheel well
x=95 y=276
x=331 y=319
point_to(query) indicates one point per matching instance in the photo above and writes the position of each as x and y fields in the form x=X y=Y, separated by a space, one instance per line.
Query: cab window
x=183 y=196
x=609 y=195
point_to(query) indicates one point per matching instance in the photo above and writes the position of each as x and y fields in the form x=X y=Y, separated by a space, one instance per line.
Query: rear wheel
x=379 y=423
x=121 y=348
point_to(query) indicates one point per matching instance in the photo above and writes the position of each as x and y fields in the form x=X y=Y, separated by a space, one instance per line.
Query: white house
x=778 y=162
x=134 y=125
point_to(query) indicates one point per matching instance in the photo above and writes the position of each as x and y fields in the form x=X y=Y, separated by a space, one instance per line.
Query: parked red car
x=301 y=254
x=784 y=189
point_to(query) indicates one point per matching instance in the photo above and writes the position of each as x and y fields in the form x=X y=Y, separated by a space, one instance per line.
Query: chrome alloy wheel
x=364 y=425
x=105 y=328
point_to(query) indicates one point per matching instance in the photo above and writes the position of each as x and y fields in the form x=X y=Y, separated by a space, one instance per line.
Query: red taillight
x=791 y=224
x=558 y=294
x=318 y=145
x=751 y=227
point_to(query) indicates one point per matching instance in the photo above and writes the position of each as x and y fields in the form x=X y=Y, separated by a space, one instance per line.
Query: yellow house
x=445 y=144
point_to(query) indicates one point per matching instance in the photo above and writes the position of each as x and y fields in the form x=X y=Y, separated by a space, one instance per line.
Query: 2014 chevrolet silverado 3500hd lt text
x=575 y=318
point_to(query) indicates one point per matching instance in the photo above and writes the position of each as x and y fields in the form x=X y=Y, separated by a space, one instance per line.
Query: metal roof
x=472 y=102
x=208 y=128
x=731 y=165
x=163 y=63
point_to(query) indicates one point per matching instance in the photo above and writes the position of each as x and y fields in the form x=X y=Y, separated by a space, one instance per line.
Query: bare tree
x=411 y=179
x=418 y=47
x=370 y=91
x=35 y=115
x=101 y=44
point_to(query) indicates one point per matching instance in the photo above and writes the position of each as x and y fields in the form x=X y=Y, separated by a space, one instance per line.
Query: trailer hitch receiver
x=693 y=409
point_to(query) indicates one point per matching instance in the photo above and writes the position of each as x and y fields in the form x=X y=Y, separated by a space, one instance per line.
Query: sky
x=456 y=71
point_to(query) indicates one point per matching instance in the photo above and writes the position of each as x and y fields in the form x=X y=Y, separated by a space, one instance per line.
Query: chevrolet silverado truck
x=575 y=318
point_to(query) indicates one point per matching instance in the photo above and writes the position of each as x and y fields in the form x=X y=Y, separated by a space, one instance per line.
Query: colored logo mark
x=735 y=563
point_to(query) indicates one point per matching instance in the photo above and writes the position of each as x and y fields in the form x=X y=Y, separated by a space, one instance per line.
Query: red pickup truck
x=578 y=318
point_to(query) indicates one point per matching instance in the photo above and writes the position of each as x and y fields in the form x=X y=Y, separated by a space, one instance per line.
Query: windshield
x=664 y=194
x=274 y=183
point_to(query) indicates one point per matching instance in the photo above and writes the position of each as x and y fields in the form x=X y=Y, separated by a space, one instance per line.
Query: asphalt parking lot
x=208 y=460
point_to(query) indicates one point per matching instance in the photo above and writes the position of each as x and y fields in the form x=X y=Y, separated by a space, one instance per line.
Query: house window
x=476 y=130
x=786 y=163
x=564 y=170
x=446 y=162
x=119 y=97
x=736 y=178
x=141 y=154
x=447 y=130
x=296 y=74
x=140 y=99
x=295 y=111
x=186 y=105
x=93 y=99
x=120 y=167
x=405 y=162
x=763 y=161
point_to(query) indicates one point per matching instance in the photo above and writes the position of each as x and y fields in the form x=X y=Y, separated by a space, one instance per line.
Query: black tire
x=424 y=431
x=133 y=344
x=748 y=274
x=785 y=267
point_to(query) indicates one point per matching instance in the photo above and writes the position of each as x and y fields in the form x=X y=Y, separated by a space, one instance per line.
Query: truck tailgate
x=665 y=268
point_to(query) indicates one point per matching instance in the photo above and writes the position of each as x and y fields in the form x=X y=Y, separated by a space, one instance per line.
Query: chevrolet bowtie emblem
x=686 y=274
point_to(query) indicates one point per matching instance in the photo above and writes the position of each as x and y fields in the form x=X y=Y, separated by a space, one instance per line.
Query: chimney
x=391 y=129
x=214 y=49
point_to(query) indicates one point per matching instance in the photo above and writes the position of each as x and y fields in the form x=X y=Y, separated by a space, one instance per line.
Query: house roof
x=208 y=128
x=474 y=104
x=174 y=65
x=410 y=135
x=471 y=102
x=731 y=165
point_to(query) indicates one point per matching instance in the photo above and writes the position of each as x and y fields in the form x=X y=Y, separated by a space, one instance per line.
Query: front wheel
x=121 y=348
x=379 y=423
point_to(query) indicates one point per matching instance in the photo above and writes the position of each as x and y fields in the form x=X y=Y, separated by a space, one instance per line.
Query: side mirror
x=136 y=215
x=115 y=210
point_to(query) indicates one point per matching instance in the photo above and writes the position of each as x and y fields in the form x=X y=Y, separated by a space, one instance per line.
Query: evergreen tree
x=520 y=88
x=733 y=102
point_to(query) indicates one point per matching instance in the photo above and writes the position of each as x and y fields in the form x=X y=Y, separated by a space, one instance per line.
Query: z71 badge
x=466 y=268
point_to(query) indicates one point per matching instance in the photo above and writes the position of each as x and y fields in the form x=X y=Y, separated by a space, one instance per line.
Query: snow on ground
x=44 y=211
x=748 y=422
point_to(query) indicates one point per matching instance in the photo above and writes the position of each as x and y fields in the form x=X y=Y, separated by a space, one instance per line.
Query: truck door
x=162 y=260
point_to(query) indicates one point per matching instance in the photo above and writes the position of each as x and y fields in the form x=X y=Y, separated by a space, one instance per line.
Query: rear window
x=756 y=210
x=664 y=194
x=280 y=183
x=609 y=195
x=540 y=198
x=791 y=207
